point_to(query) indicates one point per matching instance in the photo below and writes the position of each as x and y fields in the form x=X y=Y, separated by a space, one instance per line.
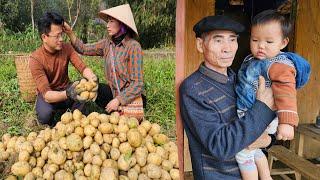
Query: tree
x=32 y=18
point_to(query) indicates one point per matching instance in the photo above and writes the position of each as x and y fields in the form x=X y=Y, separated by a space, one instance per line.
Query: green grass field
x=18 y=117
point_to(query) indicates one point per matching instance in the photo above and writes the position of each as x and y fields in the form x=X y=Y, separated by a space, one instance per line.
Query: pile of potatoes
x=98 y=146
x=86 y=90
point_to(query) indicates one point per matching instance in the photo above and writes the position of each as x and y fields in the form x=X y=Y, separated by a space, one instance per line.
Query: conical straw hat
x=122 y=13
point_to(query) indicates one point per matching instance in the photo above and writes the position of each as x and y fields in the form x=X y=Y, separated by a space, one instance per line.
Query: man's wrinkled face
x=219 y=48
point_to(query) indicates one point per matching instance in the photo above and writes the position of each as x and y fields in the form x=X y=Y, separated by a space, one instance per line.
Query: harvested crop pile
x=98 y=146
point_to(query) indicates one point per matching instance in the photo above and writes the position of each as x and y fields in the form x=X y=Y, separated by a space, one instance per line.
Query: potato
x=84 y=122
x=165 y=175
x=37 y=171
x=92 y=95
x=39 y=144
x=132 y=122
x=74 y=142
x=142 y=131
x=125 y=148
x=95 y=172
x=170 y=147
x=87 y=156
x=110 y=163
x=160 y=139
x=173 y=157
x=20 y=168
x=93 y=115
x=133 y=174
x=32 y=162
x=106 y=148
x=66 y=117
x=32 y=136
x=155 y=129
x=134 y=138
x=154 y=158
x=44 y=153
x=141 y=155
x=103 y=118
x=89 y=130
x=80 y=173
x=80 y=131
x=96 y=160
x=166 y=165
x=95 y=122
x=153 y=171
x=174 y=173
x=105 y=128
x=143 y=176
x=77 y=115
x=40 y=162
x=77 y=156
x=103 y=155
x=57 y=155
x=108 y=138
x=98 y=138
x=69 y=166
x=63 y=175
x=114 y=118
x=114 y=153
x=63 y=143
x=29 y=176
x=115 y=142
x=151 y=147
x=53 y=168
x=87 y=141
x=27 y=146
x=94 y=148
x=48 y=175
x=122 y=137
x=108 y=173
x=163 y=153
x=69 y=128
x=84 y=95
x=87 y=170
x=124 y=162
x=146 y=124
x=61 y=129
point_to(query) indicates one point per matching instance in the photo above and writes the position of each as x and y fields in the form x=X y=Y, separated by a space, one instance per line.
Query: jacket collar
x=215 y=75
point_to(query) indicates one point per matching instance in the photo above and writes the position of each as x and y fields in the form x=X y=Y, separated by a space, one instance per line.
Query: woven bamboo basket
x=25 y=80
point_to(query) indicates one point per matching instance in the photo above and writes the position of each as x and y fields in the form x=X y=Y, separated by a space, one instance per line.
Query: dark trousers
x=105 y=96
x=46 y=111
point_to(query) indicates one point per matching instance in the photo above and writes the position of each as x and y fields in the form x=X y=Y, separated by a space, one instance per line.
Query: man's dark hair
x=272 y=15
x=44 y=23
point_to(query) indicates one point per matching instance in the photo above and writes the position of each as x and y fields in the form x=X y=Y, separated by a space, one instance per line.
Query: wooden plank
x=309 y=130
x=282 y=171
x=297 y=163
x=307 y=44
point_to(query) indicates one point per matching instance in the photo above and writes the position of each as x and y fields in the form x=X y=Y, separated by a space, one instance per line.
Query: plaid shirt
x=128 y=66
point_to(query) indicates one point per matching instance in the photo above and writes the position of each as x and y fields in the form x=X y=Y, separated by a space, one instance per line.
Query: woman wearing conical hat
x=122 y=55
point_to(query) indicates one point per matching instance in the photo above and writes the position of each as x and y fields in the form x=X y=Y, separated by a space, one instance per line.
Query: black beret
x=218 y=22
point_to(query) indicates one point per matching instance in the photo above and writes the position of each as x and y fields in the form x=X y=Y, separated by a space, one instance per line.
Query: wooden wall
x=188 y=12
x=307 y=44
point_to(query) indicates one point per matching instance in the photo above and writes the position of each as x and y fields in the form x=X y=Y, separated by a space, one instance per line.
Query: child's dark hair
x=272 y=15
x=44 y=23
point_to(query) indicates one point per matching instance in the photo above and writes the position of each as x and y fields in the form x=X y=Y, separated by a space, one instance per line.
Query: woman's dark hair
x=44 y=23
x=272 y=15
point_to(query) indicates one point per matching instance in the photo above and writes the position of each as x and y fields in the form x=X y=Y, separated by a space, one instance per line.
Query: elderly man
x=208 y=104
